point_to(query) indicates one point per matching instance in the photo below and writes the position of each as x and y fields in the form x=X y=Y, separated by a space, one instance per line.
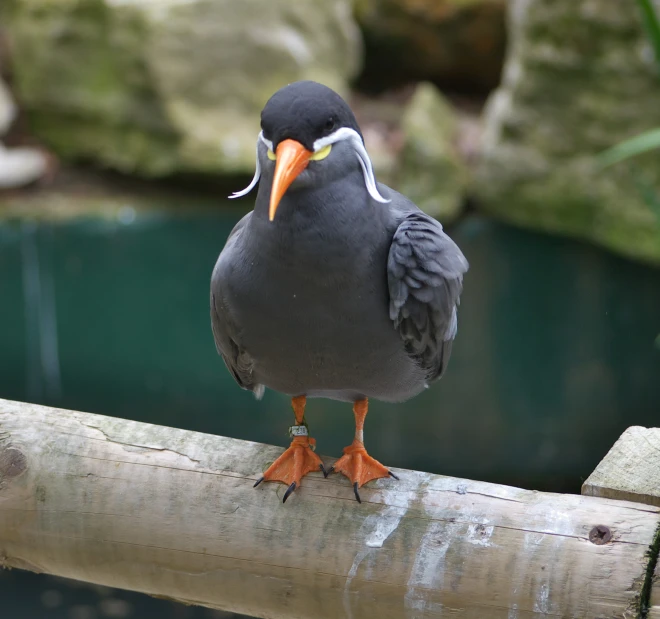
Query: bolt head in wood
x=600 y=535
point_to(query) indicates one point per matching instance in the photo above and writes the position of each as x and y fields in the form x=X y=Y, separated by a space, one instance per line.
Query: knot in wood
x=600 y=535
x=12 y=463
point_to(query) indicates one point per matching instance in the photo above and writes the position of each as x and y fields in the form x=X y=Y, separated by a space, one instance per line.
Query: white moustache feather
x=345 y=133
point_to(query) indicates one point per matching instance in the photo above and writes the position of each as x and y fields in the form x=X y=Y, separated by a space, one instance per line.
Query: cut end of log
x=631 y=469
x=12 y=463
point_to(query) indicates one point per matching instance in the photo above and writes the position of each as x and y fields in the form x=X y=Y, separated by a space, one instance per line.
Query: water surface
x=554 y=358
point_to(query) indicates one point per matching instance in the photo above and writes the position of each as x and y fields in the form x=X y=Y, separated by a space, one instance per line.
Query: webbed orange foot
x=298 y=460
x=359 y=467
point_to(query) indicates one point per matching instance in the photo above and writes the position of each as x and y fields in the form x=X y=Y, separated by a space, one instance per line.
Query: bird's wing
x=225 y=331
x=425 y=275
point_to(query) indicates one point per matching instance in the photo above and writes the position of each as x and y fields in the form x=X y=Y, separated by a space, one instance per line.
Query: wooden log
x=173 y=513
x=630 y=470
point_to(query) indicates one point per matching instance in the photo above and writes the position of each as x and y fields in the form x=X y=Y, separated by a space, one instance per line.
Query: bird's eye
x=330 y=124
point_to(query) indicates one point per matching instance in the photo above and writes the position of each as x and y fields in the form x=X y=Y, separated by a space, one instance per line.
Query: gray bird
x=334 y=286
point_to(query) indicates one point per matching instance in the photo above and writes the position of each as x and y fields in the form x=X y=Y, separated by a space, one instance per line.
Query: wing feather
x=225 y=330
x=425 y=276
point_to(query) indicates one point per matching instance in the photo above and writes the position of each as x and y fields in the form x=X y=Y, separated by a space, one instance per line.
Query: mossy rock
x=431 y=171
x=578 y=79
x=164 y=87
x=413 y=146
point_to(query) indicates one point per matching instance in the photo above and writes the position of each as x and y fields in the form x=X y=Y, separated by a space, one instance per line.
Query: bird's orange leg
x=356 y=463
x=299 y=459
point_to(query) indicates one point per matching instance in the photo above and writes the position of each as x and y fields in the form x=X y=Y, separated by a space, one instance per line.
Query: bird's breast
x=315 y=318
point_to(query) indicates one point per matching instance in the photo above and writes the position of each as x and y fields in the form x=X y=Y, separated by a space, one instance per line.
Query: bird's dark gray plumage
x=340 y=296
x=314 y=112
x=334 y=285
x=425 y=276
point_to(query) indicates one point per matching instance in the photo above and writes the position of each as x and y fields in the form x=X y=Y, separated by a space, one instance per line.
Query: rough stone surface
x=7 y=108
x=18 y=166
x=458 y=43
x=156 y=87
x=432 y=173
x=413 y=138
x=21 y=166
x=579 y=78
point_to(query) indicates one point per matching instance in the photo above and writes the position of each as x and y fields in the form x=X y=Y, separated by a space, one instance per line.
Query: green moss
x=101 y=105
x=128 y=148
x=575 y=200
x=431 y=172
x=97 y=62
x=156 y=88
x=585 y=87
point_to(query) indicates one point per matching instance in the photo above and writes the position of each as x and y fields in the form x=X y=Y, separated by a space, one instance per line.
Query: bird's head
x=309 y=134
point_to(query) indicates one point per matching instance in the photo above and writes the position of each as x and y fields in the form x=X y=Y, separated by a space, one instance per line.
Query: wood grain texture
x=631 y=469
x=173 y=513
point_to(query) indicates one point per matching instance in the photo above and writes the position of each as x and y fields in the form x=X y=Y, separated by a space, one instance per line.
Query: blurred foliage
x=652 y=25
x=537 y=163
x=642 y=143
x=648 y=192
x=649 y=140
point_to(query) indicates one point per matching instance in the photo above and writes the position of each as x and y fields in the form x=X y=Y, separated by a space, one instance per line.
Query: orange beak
x=292 y=159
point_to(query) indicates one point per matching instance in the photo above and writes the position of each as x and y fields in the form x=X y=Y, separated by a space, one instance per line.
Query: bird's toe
x=298 y=460
x=289 y=491
x=359 y=467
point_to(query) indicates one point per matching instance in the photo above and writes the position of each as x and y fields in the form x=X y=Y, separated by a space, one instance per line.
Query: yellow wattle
x=317 y=156
x=321 y=154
